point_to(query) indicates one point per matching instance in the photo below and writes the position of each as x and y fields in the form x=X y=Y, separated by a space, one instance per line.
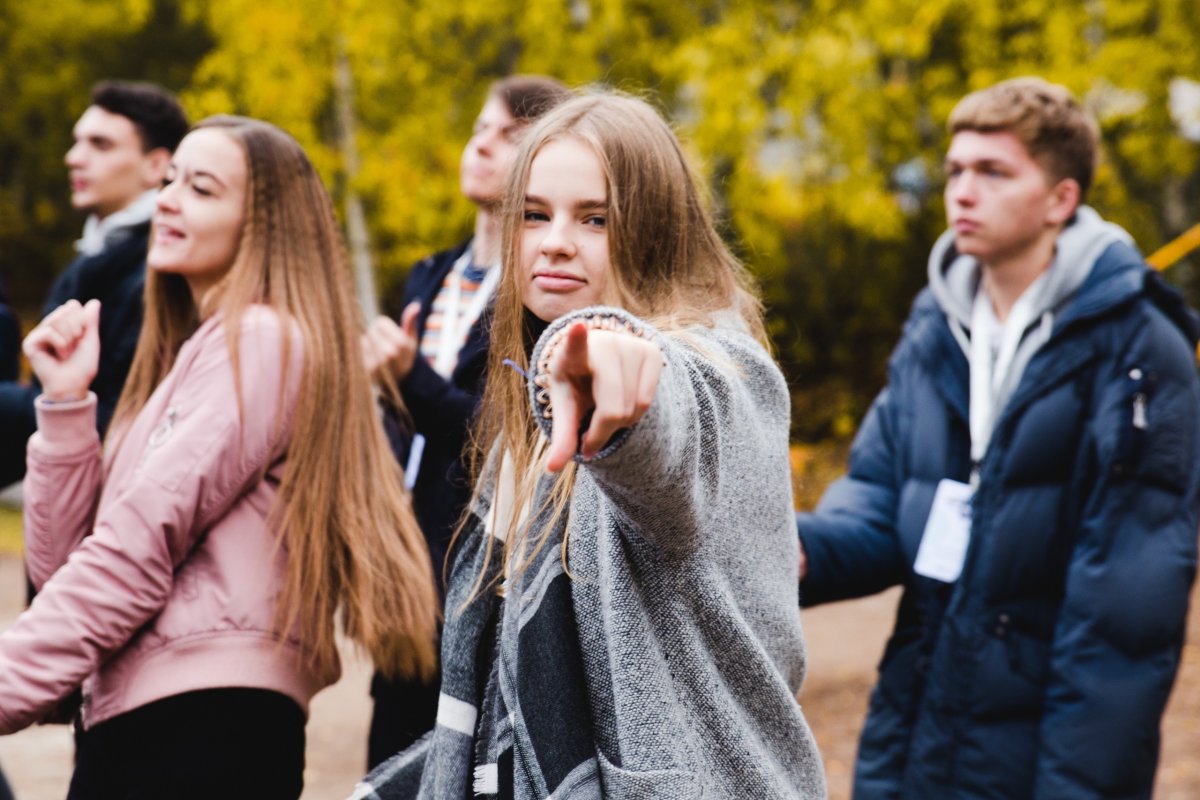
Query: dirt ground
x=844 y=642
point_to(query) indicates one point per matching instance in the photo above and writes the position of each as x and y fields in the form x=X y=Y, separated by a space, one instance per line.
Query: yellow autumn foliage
x=817 y=124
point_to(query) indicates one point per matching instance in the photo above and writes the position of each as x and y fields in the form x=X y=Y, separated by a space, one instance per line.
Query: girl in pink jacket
x=189 y=570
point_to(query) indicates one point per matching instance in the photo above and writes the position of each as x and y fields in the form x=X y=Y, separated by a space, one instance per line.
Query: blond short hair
x=1056 y=130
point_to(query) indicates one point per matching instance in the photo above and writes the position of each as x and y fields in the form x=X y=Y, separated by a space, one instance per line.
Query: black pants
x=217 y=743
x=404 y=711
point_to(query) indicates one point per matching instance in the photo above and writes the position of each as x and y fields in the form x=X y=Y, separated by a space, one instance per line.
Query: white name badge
x=947 y=532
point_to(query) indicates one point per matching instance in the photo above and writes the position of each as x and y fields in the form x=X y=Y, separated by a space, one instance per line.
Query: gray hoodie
x=954 y=280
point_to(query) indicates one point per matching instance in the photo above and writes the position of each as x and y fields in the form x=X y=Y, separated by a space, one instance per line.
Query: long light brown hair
x=345 y=522
x=668 y=266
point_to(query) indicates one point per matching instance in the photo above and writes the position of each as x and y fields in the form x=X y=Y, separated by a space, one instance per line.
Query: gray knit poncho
x=666 y=665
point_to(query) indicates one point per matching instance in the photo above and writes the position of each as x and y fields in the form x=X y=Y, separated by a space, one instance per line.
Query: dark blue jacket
x=1044 y=670
x=116 y=276
x=442 y=410
x=10 y=343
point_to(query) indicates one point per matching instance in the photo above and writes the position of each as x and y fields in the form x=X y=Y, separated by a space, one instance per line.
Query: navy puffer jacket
x=116 y=276
x=1044 y=670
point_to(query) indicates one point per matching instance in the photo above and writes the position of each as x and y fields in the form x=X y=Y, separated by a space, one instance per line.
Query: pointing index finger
x=569 y=363
x=572 y=360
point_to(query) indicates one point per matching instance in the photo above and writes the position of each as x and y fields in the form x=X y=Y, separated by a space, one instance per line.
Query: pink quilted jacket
x=156 y=567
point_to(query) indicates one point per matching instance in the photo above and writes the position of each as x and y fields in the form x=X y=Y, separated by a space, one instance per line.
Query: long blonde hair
x=669 y=267
x=345 y=521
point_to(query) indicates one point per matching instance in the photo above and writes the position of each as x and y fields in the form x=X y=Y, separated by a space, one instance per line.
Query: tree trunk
x=358 y=240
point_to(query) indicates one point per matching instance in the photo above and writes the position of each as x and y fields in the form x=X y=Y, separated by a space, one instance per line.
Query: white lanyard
x=454 y=334
x=988 y=370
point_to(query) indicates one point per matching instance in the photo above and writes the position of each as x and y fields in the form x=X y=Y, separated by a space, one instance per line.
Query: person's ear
x=154 y=166
x=1064 y=201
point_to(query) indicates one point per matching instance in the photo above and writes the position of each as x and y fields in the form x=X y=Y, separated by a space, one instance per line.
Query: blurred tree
x=819 y=125
x=825 y=124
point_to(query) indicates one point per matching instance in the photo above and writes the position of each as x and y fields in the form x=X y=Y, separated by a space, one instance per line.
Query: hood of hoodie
x=954 y=278
x=954 y=282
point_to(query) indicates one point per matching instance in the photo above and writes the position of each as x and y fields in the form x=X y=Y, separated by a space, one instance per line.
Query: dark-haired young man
x=437 y=354
x=1030 y=476
x=123 y=142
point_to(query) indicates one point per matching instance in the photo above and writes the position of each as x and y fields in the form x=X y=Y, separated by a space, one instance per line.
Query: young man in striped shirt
x=437 y=353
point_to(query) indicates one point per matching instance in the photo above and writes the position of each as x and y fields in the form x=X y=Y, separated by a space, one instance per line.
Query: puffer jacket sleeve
x=197 y=467
x=62 y=484
x=17 y=424
x=1119 y=634
x=850 y=542
x=720 y=398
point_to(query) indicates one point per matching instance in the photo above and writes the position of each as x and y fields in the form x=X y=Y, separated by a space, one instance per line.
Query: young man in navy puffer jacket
x=1030 y=476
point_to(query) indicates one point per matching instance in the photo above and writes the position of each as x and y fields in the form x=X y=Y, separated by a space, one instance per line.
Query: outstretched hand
x=612 y=374
x=391 y=349
x=64 y=350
